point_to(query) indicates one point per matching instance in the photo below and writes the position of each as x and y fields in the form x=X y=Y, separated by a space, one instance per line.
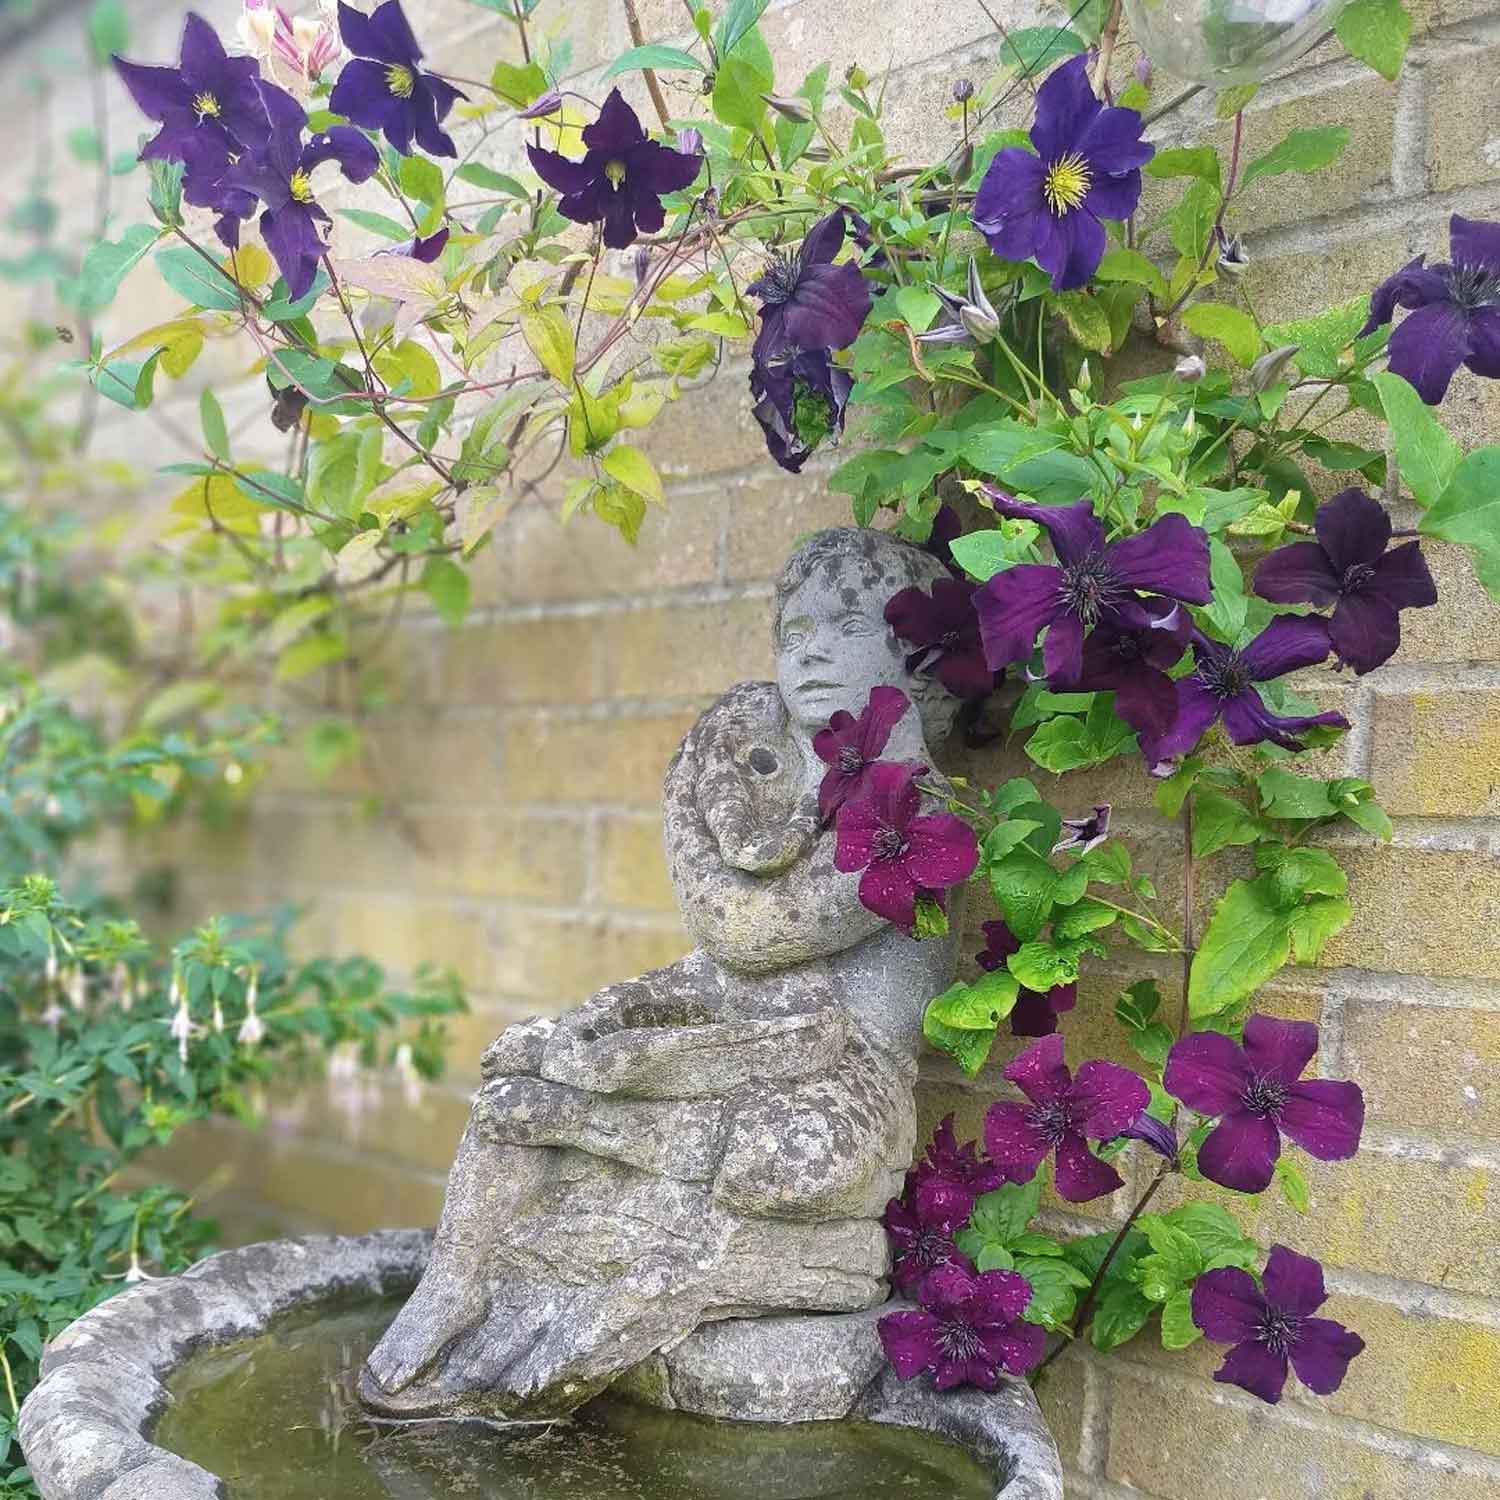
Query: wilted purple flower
x=1223 y=686
x=943 y=627
x=849 y=747
x=1131 y=655
x=1035 y=1012
x=968 y=1329
x=1456 y=311
x=1256 y=1091
x=1083 y=834
x=950 y=1177
x=383 y=88
x=622 y=178
x=1091 y=582
x=902 y=854
x=963 y=90
x=1274 y=1327
x=426 y=250
x=800 y=396
x=921 y=1236
x=807 y=302
x=209 y=107
x=1348 y=567
x=539 y=109
x=1064 y=1114
x=1086 y=168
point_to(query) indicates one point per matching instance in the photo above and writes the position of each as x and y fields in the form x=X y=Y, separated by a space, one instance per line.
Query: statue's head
x=829 y=633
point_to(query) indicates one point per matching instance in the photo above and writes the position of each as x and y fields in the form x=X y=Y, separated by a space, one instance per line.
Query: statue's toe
x=438 y=1312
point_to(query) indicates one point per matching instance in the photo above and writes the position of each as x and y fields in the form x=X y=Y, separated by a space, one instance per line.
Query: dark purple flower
x=279 y=174
x=1092 y=581
x=807 y=302
x=902 y=854
x=383 y=89
x=1348 y=567
x=947 y=527
x=1255 y=1089
x=945 y=1183
x=1456 y=311
x=427 y=249
x=849 y=747
x=800 y=397
x=1084 y=834
x=1157 y=1134
x=209 y=107
x=921 y=1236
x=1064 y=1114
x=1035 y=1012
x=1130 y=656
x=1274 y=1327
x=943 y=627
x=1224 y=686
x=967 y=1330
x=1048 y=206
x=622 y=178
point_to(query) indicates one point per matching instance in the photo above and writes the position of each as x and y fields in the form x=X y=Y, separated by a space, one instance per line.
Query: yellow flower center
x=206 y=104
x=399 y=81
x=1066 y=183
x=301 y=186
x=615 y=171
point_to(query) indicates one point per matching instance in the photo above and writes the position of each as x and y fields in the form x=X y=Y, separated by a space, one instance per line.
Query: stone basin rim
x=85 y=1428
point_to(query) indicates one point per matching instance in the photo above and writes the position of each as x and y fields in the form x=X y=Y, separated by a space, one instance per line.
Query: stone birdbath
x=669 y=1196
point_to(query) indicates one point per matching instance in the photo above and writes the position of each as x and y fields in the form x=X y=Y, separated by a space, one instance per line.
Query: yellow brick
x=1464 y=625
x=560 y=961
x=1437 y=753
x=633 y=865
x=698 y=650
x=621 y=761
x=555 y=660
x=1462 y=150
x=403 y=934
x=769 y=511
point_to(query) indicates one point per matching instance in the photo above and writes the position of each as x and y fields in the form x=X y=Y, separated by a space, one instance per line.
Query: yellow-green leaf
x=549 y=336
x=635 y=471
x=1232 y=328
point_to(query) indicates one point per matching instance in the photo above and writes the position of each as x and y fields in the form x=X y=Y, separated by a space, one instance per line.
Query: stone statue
x=716 y=1139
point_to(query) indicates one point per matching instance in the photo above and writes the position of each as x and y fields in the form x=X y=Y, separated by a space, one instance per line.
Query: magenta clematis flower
x=943 y=627
x=950 y=1177
x=1087 y=167
x=384 y=89
x=921 y=1238
x=622 y=178
x=1256 y=1091
x=807 y=302
x=850 y=747
x=1223 y=686
x=1456 y=311
x=1035 y=1012
x=903 y=855
x=1131 y=659
x=1092 y=582
x=967 y=1330
x=1348 y=567
x=1063 y=1115
x=1274 y=1327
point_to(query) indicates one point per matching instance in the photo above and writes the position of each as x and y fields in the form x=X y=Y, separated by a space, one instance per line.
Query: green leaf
x=1314 y=922
x=197 y=279
x=479 y=175
x=1001 y=1216
x=1177 y=1327
x=215 y=432
x=377 y=223
x=108 y=263
x=1283 y=794
x=1120 y=264
x=968 y=1048
x=656 y=56
x=1119 y=1314
x=447 y=585
x=1175 y=1262
x=1136 y=1007
x=1469 y=511
x=1292 y=1183
x=109 y=31
x=1024 y=884
x=1302 y=151
x=518 y=84
x=422 y=179
x=1229 y=102
x=1429 y=458
x=980 y=1006
x=737 y=100
x=1186 y=161
x=549 y=335
x=1175 y=790
x=1040 y=966
x=1034 y=49
x=1082 y=917
x=1300 y=872
x=126 y=382
x=1217 y=1234
x=1191 y=222
x=1376 y=32
x=1228 y=613
x=635 y=471
x=1055 y=1285
x=1231 y=327
x=1087 y=320
x=1219 y=821
x=1322 y=339
x=1247 y=940
x=982 y=554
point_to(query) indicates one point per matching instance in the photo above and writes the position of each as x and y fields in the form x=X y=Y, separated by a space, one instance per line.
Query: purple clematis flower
x=1274 y=1327
x=1157 y=1134
x=1083 y=834
x=1092 y=581
x=209 y=107
x=279 y=174
x=1130 y=656
x=947 y=527
x=950 y=1177
x=850 y=747
x=943 y=627
x=967 y=1330
x=622 y=178
x=1223 y=686
x=1348 y=567
x=1064 y=1114
x=921 y=1238
x=1456 y=311
x=903 y=855
x=1255 y=1089
x=1086 y=168
x=426 y=250
x=807 y=302
x=383 y=89
x=1035 y=1012
x=800 y=397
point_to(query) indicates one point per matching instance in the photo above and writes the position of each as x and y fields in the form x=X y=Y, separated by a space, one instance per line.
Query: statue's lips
x=817 y=685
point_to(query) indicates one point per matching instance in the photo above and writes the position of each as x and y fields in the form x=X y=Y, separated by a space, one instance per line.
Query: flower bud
x=642 y=265
x=856 y=77
x=1143 y=70
x=1085 y=378
x=1267 y=370
x=1190 y=369
x=983 y=327
x=1232 y=258
x=963 y=91
x=548 y=104
x=791 y=109
x=690 y=141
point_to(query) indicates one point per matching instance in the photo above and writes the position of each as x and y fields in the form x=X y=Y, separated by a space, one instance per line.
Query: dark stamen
x=958 y=1340
x=1356 y=577
x=779 y=279
x=1264 y=1096
x=1224 y=676
x=1089 y=588
x=1052 y=1120
x=889 y=842
x=850 y=760
x=1472 y=287
x=1278 y=1330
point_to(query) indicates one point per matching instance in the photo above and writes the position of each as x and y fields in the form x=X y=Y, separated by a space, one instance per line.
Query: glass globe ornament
x=1222 y=42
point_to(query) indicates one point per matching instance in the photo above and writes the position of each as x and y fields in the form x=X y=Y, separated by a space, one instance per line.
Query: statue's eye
x=763 y=761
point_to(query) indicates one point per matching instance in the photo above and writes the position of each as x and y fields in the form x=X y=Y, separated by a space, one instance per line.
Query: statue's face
x=833 y=646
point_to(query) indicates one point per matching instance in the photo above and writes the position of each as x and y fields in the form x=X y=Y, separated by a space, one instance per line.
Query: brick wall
x=526 y=751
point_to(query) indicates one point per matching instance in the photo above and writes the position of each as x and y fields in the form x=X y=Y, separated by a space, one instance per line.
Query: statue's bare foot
x=441 y=1309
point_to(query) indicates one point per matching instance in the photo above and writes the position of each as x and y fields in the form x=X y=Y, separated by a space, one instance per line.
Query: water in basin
x=275 y=1417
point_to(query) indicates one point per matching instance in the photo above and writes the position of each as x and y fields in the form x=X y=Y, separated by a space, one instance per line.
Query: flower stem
x=638 y=39
x=1187 y=908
